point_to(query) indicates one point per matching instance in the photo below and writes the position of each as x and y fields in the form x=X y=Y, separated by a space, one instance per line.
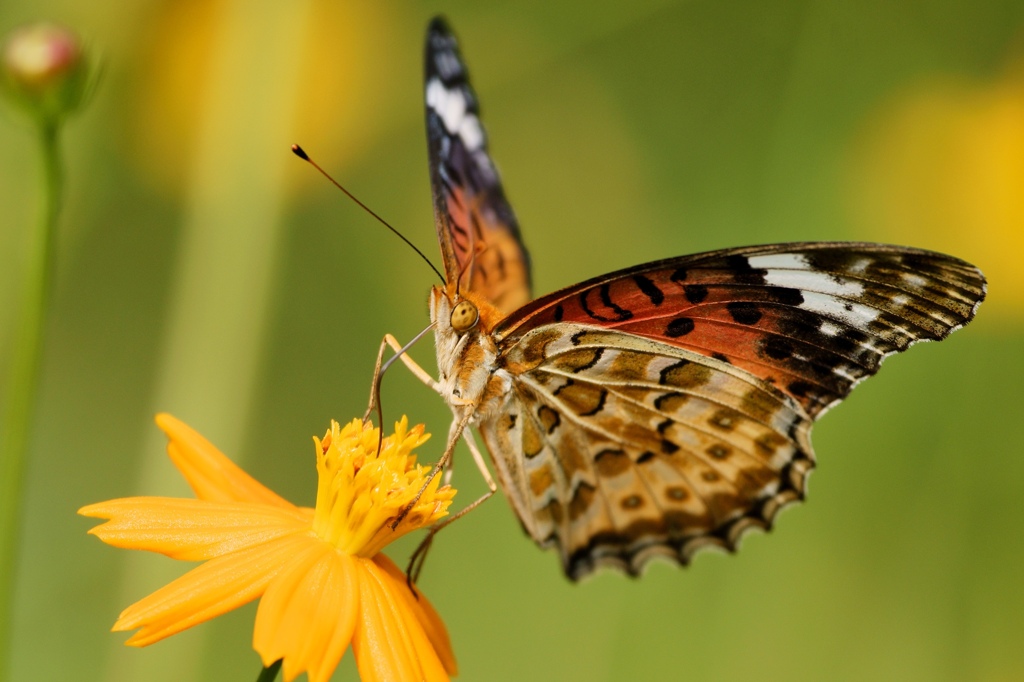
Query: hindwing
x=617 y=448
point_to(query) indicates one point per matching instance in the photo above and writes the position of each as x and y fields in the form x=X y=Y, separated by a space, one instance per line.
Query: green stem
x=23 y=378
x=269 y=674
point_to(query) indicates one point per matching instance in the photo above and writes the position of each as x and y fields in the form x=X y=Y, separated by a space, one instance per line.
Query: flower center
x=361 y=492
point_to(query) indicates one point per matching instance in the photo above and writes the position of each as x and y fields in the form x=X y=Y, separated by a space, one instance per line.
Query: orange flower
x=319 y=572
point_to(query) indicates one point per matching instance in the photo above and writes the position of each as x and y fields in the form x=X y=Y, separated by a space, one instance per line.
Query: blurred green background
x=205 y=271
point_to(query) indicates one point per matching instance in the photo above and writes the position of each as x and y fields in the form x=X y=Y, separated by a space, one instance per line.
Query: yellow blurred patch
x=173 y=74
x=352 y=95
x=346 y=49
x=941 y=166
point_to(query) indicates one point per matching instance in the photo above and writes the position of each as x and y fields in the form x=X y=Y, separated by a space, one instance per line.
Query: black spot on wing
x=606 y=299
x=799 y=388
x=650 y=289
x=695 y=293
x=680 y=326
x=744 y=312
x=742 y=272
x=777 y=348
x=604 y=294
x=785 y=295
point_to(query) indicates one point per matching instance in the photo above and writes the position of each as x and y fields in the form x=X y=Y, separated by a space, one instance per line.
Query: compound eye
x=464 y=316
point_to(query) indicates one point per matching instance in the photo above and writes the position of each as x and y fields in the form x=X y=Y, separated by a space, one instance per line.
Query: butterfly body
x=666 y=407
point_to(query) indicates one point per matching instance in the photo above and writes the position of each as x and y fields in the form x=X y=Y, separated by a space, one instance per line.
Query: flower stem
x=24 y=373
x=269 y=674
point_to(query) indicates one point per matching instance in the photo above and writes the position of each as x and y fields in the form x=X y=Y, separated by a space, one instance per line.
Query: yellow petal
x=211 y=475
x=192 y=530
x=389 y=642
x=209 y=590
x=432 y=624
x=308 y=613
x=402 y=601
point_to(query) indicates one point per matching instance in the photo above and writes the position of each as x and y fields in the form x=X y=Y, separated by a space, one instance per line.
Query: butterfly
x=667 y=407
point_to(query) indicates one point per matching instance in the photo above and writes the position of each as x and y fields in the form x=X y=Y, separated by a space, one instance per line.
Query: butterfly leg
x=413 y=366
x=381 y=367
x=458 y=426
x=479 y=459
x=419 y=556
x=375 y=384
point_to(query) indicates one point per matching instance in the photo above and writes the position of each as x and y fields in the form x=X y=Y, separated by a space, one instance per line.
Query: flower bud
x=44 y=70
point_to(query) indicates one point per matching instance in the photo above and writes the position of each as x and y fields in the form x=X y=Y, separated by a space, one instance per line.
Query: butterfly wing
x=812 y=318
x=478 y=232
x=668 y=407
x=617 y=448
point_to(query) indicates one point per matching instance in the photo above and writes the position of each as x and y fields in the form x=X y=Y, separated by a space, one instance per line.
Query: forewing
x=617 y=448
x=477 y=230
x=812 y=319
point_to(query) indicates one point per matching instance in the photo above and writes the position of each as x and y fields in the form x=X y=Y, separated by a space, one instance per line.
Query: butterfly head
x=466 y=351
x=462 y=312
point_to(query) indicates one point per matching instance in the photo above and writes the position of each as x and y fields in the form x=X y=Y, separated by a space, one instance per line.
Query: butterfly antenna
x=301 y=153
